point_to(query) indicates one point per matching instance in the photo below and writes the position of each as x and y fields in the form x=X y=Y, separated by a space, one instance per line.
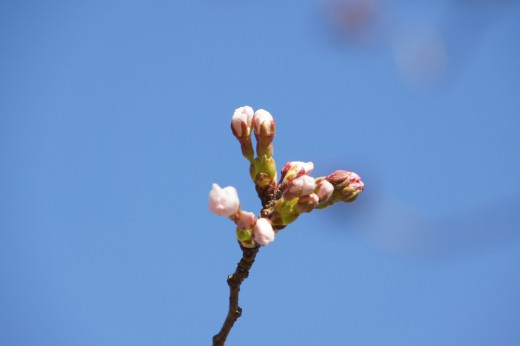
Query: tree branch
x=234 y=281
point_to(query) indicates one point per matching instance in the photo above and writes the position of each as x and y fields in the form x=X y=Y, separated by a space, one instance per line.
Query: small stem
x=234 y=281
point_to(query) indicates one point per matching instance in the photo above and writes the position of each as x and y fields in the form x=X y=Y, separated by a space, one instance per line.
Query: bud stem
x=247 y=149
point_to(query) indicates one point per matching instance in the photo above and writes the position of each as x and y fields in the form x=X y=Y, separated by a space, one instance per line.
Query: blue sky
x=114 y=123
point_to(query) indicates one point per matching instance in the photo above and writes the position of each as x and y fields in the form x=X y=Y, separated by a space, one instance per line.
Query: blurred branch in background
x=356 y=21
x=400 y=230
x=430 y=41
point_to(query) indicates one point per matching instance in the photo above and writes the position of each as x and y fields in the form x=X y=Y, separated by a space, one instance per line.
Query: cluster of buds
x=284 y=201
x=225 y=202
x=245 y=122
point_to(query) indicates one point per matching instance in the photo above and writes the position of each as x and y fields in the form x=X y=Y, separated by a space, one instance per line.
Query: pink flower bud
x=358 y=185
x=298 y=187
x=223 y=201
x=307 y=203
x=263 y=123
x=263 y=232
x=324 y=190
x=351 y=192
x=245 y=220
x=348 y=195
x=349 y=185
x=241 y=121
x=343 y=178
x=294 y=169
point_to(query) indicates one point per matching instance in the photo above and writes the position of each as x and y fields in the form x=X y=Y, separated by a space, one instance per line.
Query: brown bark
x=235 y=281
x=268 y=197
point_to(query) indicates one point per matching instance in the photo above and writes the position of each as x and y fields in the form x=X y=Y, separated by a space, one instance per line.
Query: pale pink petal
x=294 y=169
x=324 y=190
x=263 y=123
x=242 y=119
x=246 y=220
x=301 y=186
x=223 y=201
x=263 y=232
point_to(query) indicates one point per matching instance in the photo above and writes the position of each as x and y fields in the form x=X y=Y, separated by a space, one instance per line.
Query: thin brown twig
x=267 y=196
x=234 y=281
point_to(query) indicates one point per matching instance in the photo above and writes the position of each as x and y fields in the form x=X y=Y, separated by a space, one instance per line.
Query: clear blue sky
x=114 y=123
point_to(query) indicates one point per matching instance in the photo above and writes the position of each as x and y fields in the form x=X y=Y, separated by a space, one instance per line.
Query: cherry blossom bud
x=352 y=191
x=263 y=123
x=241 y=127
x=307 y=203
x=298 y=187
x=347 y=187
x=245 y=220
x=241 y=122
x=294 y=169
x=223 y=201
x=324 y=190
x=263 y=232
x=341 y=178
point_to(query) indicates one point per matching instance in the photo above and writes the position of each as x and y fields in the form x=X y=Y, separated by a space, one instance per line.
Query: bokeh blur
x=115 y=121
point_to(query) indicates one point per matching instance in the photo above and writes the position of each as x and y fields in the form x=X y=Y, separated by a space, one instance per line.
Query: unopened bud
x=343 y=178
x=307 y=203
x=347 y=187
x=351 y=192
x=263 y=124
x=264 y=127
x=324 y=190
x=263 y=232
x=294 y=169
x=245 y=220
x=241 y=122
x=223 y=201
x=298 y=187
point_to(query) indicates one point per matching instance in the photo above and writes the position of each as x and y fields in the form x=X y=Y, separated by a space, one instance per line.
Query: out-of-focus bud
x=307 y=203
x=241 y=122
x=223 y=201
x=324 y=190
x=264 y=127
x=263 y=232
x=294 y=169
x=298 y=187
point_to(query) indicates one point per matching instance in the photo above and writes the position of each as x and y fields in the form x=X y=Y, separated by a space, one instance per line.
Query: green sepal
x=249 y=243
x=244 y=235
x=263 y=171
